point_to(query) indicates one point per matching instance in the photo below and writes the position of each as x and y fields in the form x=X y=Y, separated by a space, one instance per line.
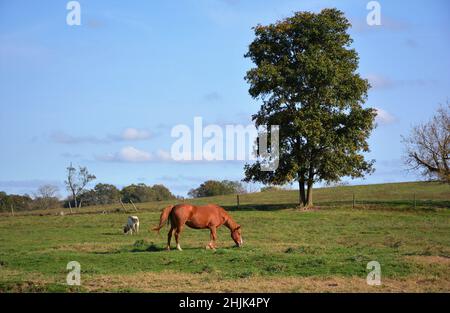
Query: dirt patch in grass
x=206 y=282
x=308 y=209
x=430 y=259
x=87 y=247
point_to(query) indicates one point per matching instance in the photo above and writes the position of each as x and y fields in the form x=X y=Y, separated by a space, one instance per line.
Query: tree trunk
x=301 y=192
x=309 y=203
x=75 y=201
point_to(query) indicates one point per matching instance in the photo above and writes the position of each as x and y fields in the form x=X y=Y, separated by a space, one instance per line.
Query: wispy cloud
x=64 y=138
x=132 y=134
x=130 y=22
x=70 y=155
x=378 y=81
x=128 y=134
x=28 y=186
x=360 y=25
x=131 y=154
x=383 y=117
x=212 y=96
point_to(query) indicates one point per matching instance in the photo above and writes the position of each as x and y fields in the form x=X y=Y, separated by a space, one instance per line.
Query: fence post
x=237 y=198
x=12 y=210
x=123 y=206
x=414 y=201
x=353 y=205
x=134 y=205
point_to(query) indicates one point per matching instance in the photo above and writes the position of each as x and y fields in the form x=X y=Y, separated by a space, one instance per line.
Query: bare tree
x=47 y=191
x=46 y=197
x=428 y=146
x=77 y=181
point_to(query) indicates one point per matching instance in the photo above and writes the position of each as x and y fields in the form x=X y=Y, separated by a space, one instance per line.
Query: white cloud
x=163 y=155
x=383 y=117
x=133 y=155
x=135 y=134
x=128 y=134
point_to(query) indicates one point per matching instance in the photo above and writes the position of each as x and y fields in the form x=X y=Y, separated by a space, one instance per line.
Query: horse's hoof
x=168 y=248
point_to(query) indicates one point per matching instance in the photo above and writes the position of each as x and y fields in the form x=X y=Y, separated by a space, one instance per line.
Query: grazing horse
x=199 y=217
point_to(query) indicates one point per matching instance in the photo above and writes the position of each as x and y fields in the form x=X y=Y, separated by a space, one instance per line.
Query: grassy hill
x=324 y=250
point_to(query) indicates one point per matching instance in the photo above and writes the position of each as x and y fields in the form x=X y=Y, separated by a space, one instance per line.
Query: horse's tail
x=164 y=217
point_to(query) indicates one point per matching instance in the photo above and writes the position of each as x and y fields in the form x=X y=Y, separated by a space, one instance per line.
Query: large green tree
x=212 y=188
x=306 y=79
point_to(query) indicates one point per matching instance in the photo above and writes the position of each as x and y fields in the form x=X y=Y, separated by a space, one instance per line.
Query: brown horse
x=199 y=217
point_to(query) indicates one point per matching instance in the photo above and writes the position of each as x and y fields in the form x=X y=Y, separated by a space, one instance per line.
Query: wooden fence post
x=353 y=201
x=133 y=205
x=12 y=210
x=123 y=206
x=237 y=198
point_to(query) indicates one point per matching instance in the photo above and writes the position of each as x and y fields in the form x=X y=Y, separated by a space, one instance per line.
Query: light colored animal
x=132 y=226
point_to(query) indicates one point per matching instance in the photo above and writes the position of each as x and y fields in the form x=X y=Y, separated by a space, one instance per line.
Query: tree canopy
x=215 y=188
x=306 y=79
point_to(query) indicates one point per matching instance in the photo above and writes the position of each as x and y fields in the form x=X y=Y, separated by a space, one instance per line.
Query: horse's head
x=236 y=235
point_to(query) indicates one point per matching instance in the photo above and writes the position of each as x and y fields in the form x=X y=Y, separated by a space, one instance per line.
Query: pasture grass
x=284 y=249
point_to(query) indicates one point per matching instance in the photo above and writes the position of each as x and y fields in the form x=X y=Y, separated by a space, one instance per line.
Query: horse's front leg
x=213 y=236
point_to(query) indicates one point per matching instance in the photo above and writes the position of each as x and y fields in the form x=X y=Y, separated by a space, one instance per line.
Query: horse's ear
x=237 y=227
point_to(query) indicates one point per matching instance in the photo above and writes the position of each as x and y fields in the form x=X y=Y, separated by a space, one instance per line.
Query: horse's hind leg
x=177 y=236
x=169 y=236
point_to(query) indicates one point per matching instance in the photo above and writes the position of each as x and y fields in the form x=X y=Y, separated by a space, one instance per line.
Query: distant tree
x=428 y=146
x=143 y=193
x=47 y=191
x=215 y=188
x=77 y=181
x=87 y=198
x=106 y=194
x=15 y=202
x=162 y=193
x=137 y=193
x=46 y=197
x=306 y=77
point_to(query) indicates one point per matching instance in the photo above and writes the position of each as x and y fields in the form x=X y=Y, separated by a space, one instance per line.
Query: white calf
x=132 y=226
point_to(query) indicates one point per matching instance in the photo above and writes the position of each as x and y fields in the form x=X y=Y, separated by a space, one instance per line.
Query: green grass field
x=285 y=249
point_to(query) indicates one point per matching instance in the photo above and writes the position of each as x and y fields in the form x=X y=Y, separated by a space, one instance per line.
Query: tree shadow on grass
x=260 y=207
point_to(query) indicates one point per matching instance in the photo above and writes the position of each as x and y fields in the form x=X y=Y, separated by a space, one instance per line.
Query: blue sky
x=106 y=94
